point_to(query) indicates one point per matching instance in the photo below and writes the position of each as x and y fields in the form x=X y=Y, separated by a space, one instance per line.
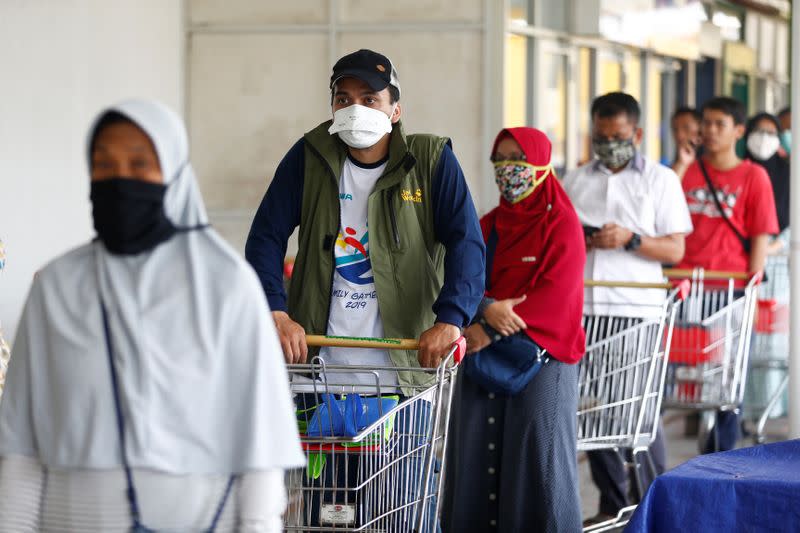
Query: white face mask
x=763 y=145
x=359 y=126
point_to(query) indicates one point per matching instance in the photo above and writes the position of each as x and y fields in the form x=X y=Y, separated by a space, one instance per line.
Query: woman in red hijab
x=511 y=462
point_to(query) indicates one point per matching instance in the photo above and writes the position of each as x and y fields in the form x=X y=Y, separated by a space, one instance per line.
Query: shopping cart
x=711 y=344
x=374 y=455
x=768 y=376
x=621 y=376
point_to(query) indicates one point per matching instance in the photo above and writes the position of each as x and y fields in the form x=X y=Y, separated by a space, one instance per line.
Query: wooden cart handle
x=707 y=274
x=626 y=284
x=384 y=344
x=362 y=342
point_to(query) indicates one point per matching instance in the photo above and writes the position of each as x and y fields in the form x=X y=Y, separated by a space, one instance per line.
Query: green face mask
x=786 y=140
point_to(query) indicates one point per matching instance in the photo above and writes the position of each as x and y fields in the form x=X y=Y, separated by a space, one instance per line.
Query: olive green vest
x=407 y=261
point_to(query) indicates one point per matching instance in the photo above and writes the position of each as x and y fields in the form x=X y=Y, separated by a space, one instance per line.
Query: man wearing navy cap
x=389 y=242
x=389 y=245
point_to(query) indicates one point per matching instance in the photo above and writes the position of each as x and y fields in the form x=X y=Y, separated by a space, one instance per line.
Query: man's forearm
x=758 y=252
x=265 y=254
x=668 y=249
x=456 y=226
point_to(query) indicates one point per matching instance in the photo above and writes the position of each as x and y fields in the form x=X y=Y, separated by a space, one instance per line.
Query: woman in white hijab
x=146 y=389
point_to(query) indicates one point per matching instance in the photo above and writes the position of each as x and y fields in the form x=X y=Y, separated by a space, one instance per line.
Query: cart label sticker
x=337 y=514
x=371 y=339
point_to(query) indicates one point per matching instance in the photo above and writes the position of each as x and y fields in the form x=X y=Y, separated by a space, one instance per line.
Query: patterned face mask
x=517 y=179
x=614 y=154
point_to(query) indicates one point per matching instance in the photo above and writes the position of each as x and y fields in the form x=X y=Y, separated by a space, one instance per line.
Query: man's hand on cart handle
x=292 y=337
x=436 y=342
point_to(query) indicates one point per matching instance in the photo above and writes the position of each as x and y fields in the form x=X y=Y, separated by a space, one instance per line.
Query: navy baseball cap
x=370 y=67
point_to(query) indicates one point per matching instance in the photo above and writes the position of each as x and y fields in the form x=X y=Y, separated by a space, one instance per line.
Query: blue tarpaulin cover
x=752 y=489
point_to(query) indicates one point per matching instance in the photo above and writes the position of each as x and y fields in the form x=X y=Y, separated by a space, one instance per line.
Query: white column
x=794 y=222
x=495 y=15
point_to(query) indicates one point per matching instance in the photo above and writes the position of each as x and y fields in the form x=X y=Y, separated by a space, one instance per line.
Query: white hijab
x=203 y=385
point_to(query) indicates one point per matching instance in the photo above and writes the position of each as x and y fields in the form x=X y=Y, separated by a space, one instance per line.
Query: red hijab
x=540 y=253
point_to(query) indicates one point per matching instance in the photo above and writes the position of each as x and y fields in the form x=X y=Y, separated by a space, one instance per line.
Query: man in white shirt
x=635 y=219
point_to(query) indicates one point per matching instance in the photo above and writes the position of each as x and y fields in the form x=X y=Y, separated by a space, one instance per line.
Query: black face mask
x=129 y=215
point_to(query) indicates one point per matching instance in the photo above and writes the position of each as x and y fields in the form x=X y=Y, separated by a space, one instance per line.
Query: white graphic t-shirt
x=354 y=304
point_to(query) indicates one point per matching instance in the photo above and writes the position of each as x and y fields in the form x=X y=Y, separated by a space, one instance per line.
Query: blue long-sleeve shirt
x=455 y=226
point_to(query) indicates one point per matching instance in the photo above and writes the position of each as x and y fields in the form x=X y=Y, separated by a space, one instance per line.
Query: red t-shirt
x=746 y=195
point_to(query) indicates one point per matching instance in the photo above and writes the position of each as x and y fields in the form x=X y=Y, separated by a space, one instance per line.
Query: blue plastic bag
x=328 y=418
x=348 y=416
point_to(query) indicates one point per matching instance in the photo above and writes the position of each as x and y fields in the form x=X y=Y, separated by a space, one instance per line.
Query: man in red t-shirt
x=745 y=193
x=743 y=189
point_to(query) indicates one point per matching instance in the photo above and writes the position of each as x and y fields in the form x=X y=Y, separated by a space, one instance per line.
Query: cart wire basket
x=711 y=341
x=768 y=376
x=622 y=376
x=375 y=452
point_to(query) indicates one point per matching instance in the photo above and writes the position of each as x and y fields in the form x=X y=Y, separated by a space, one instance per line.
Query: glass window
x=781 y=97
x=584 y=143
x=729 y=24
x=751 y=23
x=518 y=12
x=669 y=102
x=516 y=82
x=609 y=69
x=553 y=105
x=633 y=75
x=553 y=15
x=653 y=111
x=766 y=47
x=781 y=49
x=763 y=96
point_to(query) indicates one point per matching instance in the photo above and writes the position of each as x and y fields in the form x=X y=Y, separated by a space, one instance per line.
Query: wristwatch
x=634 y=244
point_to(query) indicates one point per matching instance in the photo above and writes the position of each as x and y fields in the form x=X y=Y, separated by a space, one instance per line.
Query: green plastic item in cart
x=316 y=463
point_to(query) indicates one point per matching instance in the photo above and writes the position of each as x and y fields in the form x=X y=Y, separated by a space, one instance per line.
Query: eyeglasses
x=496 y=158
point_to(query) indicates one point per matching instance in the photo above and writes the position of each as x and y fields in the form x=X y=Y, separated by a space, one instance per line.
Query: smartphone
x=588 y=231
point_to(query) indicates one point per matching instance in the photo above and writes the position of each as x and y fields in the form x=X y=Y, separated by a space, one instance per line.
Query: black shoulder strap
x=745 y=242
